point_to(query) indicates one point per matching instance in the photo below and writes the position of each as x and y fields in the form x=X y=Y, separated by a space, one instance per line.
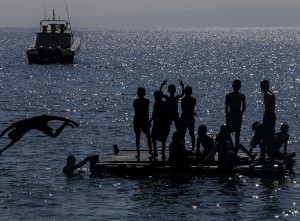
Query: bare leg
x=149 y=142
x=237 y=137
x=8 y=145
x=154 y=147
x=137 y=142
x=47 y=130
x=163 y=144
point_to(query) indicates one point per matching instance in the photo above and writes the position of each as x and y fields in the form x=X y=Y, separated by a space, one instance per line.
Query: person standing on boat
x=20 y=128
x=178 y=156
x=235 y=106
x=161 y=125
x=141 y=119
x=187 y=120
x=204 y=140
x=172 y=102
x=269 y=117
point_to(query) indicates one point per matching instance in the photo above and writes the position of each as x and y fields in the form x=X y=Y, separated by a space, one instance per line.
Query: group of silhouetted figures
x=165 y=112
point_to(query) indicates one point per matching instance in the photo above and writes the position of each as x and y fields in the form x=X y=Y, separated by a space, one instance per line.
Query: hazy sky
x=154 y=13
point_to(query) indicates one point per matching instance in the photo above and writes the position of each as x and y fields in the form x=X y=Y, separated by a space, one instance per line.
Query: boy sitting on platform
x=178 y=156
x=276 y=142
x=204 y=140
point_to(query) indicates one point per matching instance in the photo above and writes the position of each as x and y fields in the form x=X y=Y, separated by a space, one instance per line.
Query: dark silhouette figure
x=259 y=138
x=223 y=145
x=187 y=120
x=141 y=119
x=227 y=154
x=172 y=102
x=161 y=126
x=276 y=142
x=178 y=156
x=269 y=118
x=235 y=106
x=205 y=141
x=71 y=166
x=18 y=129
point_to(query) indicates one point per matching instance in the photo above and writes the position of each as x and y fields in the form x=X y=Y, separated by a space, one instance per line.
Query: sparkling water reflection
x=98 y=90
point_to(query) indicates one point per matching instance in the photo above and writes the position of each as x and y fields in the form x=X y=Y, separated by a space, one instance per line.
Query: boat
x=125 y=164
x=55 y=42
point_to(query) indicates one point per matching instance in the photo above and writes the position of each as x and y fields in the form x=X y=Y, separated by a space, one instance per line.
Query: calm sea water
x=98 y=91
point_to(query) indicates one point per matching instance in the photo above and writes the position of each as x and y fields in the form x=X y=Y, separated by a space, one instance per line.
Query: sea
x=98 y=91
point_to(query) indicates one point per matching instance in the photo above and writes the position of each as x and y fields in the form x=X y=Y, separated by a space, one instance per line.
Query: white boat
x=55 y=43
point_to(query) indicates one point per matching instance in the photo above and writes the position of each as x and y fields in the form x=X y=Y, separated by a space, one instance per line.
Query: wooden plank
x=130 y=155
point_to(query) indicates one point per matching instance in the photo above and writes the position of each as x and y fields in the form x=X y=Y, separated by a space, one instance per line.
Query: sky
x=153 y=13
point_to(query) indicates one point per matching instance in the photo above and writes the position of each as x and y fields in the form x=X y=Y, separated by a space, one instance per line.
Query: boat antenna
x=45 y=10
x=68 y=14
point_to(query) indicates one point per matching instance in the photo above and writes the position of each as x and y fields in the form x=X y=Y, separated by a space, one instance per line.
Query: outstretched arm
x=78 y=165
x=51 y=117
x=163 y=83
x=182 y=88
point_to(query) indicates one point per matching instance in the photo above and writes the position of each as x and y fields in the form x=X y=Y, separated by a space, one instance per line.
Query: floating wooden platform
x=125 y=164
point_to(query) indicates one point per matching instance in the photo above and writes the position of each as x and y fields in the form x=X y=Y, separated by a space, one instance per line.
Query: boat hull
x=34 y=58
x=43 y=57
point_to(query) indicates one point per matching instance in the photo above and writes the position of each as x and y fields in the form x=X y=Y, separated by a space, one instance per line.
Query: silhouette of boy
x=18 y=129
x=178 y=157
x=187 y=120
x=141 y=119
x=172 y=102
x=161 y=126
x=71 y=166
x=206 y=141
x=276 y=142
x=235 y=106
x=269 y=117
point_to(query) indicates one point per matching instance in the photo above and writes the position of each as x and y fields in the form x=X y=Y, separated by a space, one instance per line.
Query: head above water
x=71 y=160
x=141 y=92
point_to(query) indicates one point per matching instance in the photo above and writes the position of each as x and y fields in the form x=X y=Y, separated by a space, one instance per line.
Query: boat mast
x=44 y=11
x=68 y=14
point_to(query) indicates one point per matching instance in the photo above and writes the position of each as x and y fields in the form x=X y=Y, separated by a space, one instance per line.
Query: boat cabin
x=54 y=33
